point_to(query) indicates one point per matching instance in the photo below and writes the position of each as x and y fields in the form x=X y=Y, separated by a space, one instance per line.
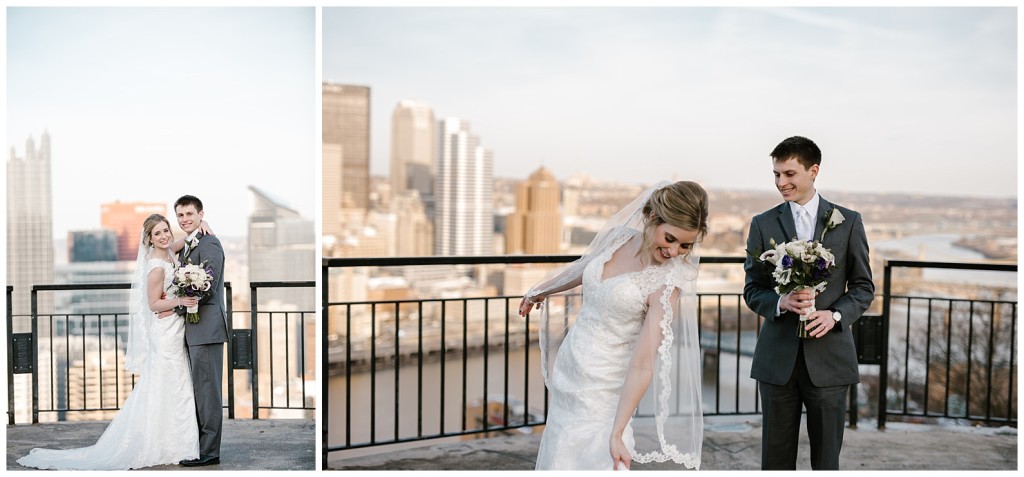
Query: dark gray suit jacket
x=832 y=359
x=212 y=326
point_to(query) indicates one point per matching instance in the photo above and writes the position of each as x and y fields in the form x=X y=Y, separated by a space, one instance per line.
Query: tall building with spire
x=535 y=228
x=346 y=154
x=30 y=225
x=464 y=192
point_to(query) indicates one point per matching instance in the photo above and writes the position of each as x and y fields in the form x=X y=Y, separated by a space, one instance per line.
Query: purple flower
x=787 y=261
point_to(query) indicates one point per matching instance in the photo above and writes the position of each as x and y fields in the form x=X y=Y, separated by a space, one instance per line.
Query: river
x=408 y=399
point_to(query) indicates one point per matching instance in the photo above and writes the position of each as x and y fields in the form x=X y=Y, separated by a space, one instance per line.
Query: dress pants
x=781 y=409
x=207 y=362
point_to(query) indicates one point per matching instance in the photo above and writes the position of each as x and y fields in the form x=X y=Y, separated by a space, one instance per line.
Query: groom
x=206 y=338
x=814 y=372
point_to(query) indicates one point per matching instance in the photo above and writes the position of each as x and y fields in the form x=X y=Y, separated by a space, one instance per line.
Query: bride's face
x=670 y=241
x=160 y=236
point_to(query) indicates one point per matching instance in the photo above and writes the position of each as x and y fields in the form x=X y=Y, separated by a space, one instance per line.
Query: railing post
x=852 y=406
x=35 y=356
x=883 y=369
x=254 y=374
x=325 y=363
x=231 y=354
x=10 y=356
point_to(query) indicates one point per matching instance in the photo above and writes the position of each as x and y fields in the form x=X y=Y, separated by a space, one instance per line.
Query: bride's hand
x=621 y=458
x=526 y=305
x=204 y=227
x=189 y=302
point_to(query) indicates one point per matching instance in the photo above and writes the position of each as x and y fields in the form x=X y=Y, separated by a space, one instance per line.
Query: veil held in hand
x=668 y=423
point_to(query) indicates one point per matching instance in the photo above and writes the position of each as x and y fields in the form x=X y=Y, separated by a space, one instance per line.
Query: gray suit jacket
x=212 y=326
x=832 y=359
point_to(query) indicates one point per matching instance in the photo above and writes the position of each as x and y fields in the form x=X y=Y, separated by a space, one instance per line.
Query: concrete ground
x=735 y=444
x=266 y=444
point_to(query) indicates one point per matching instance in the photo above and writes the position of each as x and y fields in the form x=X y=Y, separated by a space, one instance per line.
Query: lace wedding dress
x=157 y=423
x=591 y=364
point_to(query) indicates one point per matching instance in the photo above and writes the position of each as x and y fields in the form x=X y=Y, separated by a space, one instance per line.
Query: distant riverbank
x=942 y=248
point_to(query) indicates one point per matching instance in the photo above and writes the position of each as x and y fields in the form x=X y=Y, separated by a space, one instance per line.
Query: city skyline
x=889 y=94
x=148 y=104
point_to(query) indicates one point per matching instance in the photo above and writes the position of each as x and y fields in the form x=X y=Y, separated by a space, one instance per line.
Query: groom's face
x=188 y=218
x=794 y=181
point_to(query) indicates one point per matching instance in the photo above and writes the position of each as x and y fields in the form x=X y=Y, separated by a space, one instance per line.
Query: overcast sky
x=899 y=99
x=148 y=104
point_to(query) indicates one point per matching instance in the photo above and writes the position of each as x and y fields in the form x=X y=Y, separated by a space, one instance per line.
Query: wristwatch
x=836 y=315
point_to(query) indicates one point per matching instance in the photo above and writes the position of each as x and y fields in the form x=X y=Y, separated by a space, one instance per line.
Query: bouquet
x=798 y=265
x=192 y=281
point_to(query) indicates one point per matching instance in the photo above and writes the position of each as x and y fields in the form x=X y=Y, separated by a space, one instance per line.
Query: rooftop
x=734 y=443
x=266 y=444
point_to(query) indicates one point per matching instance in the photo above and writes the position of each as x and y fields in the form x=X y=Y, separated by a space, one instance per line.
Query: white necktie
x=805 y=227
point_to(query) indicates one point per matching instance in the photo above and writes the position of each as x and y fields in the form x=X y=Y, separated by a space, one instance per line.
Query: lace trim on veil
x=668 y=451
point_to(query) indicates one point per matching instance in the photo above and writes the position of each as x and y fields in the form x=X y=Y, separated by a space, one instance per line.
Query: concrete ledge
x=736 y=445
x=266 y=444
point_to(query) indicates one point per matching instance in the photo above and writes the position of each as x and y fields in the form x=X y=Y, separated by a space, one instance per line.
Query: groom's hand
x=165 y=314
x=798 y=301
x=819 y=323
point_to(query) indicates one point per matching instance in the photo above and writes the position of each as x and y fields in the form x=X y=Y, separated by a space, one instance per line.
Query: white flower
x=782 y=275
x=827 y=255
x=770 y=256
x=835 y=218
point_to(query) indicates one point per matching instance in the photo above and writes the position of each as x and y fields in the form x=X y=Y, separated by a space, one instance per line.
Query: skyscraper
x=464 y=190
x=414 y=231
x=346 y=154
x=536 y=225
x=282 y=247
x=125 y=219
x=30 y=225
x=412 y=149
x=92 y=246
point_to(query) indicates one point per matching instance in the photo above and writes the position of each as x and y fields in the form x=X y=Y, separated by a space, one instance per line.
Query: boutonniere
x=832 y=220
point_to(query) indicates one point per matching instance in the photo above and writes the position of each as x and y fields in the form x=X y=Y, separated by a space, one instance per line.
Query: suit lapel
x=819 y=222
x=191 y=254
x=786 y=221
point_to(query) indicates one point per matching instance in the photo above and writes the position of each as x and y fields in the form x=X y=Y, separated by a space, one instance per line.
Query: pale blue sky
x=919 y=99
x=147 y=104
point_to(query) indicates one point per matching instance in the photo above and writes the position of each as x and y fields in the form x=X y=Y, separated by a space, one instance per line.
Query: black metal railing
x=295 y=363
x=46 y=349
x=945 y=348
x=724 y=330
x=401 y=342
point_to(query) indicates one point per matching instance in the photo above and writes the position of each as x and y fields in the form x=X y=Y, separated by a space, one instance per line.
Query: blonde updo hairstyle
x=683 y=204
x=149 y=224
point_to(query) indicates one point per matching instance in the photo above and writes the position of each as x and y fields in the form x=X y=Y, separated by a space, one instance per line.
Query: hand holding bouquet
x=798 y=265
x=192 y=281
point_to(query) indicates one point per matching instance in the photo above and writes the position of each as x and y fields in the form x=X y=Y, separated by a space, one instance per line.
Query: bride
x=624 y=381
x=157 y=423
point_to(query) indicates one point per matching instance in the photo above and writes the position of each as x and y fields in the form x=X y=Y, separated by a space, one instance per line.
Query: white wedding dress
x=590 y=368
x=157 y=423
